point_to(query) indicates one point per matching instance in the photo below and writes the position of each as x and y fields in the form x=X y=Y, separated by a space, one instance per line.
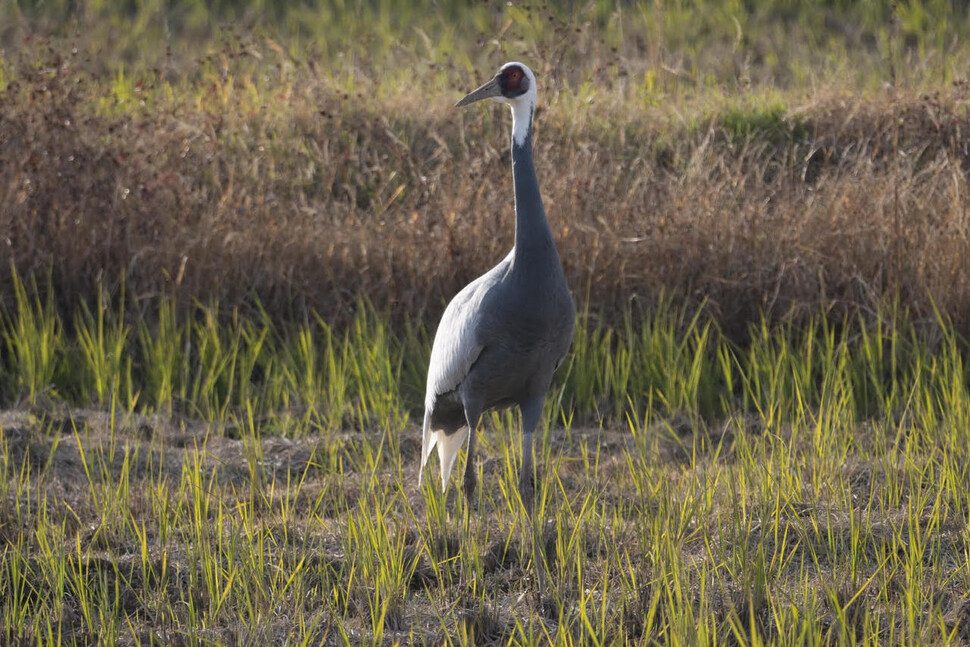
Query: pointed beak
x=490 y=89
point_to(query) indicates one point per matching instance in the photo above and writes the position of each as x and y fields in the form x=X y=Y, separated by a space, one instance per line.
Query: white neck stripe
x=521 y=120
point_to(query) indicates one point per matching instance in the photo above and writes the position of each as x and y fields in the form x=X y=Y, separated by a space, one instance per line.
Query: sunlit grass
x=32 y=336
x=667 y=363
x=805 y=489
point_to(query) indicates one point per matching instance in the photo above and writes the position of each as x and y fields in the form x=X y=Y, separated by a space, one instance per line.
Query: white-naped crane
x=503 y=336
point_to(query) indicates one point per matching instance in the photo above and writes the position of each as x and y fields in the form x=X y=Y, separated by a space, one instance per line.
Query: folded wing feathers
x=452 y=356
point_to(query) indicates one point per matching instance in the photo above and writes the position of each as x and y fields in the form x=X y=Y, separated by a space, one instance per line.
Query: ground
x=174 y=531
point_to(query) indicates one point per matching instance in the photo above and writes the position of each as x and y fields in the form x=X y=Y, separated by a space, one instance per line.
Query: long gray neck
x=533 y=240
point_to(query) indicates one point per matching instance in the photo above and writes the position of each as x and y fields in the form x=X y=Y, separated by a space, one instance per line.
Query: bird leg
x=527 y=482
x=531 y=411
x=470 y=480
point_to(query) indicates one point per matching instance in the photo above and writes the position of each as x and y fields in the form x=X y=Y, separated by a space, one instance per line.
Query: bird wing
x=457 y=343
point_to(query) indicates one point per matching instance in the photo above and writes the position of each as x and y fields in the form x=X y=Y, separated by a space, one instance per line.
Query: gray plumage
x=502 y=337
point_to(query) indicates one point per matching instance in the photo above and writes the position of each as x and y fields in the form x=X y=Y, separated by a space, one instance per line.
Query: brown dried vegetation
x=316 y=197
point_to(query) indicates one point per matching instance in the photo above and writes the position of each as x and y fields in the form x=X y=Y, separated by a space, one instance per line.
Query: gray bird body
x=502 y=337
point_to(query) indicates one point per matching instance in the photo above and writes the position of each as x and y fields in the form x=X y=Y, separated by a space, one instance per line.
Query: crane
x=503 y=335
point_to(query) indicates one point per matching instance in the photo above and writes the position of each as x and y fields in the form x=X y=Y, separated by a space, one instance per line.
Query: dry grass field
x=227 y=231
x=238 y=169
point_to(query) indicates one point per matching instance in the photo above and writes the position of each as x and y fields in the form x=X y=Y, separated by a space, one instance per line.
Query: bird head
x=514 y=84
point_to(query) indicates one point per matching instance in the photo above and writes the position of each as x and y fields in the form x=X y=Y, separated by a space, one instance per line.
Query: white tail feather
x=448 y=447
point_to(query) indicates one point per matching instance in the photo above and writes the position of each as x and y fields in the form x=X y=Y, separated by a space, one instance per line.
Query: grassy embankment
x=760 y=436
